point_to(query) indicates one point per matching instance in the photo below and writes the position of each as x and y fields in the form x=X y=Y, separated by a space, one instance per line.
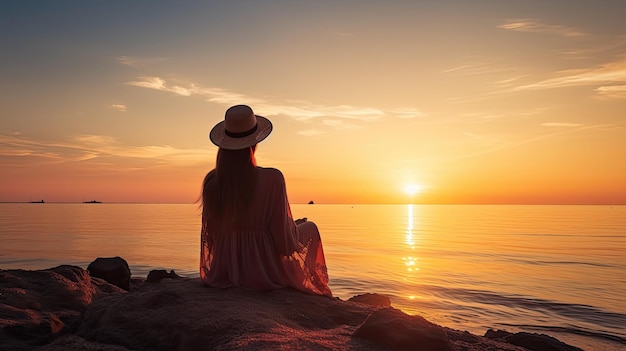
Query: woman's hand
x=300 y=220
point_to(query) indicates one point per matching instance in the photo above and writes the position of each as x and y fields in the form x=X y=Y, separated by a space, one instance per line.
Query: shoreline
x=68 y=308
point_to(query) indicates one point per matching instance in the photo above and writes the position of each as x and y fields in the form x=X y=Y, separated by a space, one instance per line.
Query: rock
x=372 y=300
x=392 y=329
x=114 y=270
x=37 y=306
x=73 y=342
x=497 y=334
x=156 y=275
x=530 y=341
x=65 y=308
x=183 y=313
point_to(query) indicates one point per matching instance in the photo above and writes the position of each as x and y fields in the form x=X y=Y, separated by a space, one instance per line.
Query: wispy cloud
x=575 y=128
x=509 y=81
x=612 y=91
x=561 y=124
x=137 y=61
x=600 y=46
x=150 y=83
x=612 y=72
x=341 y=124
x=298 y=109
x=472 y=135
x=308 y=111
x=157 y=83
x=95 y=148
x=311 y=132
x=125 y=60
x=408 y=112
x=534 y=26
x=119 y=107
x=483 y=116
x=476 y=67
x=496 y=78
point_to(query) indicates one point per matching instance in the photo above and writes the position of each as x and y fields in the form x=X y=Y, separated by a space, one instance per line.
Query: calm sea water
x=557 y=270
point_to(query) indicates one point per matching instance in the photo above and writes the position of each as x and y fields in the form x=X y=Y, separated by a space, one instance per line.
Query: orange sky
x=488 y=103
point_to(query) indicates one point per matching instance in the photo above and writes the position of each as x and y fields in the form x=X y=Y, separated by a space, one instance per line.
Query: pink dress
x=267 y=250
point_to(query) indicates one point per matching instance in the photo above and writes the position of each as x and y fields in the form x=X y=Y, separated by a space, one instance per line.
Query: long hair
x=228 y=189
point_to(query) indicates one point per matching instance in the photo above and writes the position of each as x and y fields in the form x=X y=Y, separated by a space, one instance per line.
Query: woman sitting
x=249 y=238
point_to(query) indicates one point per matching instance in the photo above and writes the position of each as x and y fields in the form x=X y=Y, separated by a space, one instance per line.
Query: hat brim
x=218 y=135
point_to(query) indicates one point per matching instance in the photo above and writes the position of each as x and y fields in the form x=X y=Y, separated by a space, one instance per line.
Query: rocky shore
x=70 y=308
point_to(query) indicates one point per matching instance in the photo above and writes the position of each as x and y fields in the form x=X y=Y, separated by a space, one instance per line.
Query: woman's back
x=263 y=249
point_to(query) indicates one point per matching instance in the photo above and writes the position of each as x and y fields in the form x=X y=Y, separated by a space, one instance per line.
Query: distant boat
x=311 y=202
x=37 y=202
x=92 y=202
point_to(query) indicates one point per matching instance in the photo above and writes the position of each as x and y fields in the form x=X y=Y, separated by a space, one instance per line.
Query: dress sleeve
x=282 y=227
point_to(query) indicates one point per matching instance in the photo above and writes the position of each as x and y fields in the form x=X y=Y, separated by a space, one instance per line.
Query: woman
x=249 y=238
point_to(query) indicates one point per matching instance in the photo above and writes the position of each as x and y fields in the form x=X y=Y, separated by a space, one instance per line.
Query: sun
x=412 y=189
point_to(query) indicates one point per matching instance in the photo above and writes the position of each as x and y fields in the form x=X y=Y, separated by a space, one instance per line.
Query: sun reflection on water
x=410 y=260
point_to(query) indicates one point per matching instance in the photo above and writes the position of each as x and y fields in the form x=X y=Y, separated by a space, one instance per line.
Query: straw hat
x=240 y=129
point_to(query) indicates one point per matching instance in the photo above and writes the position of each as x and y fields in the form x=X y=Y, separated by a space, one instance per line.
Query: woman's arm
x=282 y=226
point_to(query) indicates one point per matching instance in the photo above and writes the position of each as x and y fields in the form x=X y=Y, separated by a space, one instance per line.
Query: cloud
x=496 y=78
x=103 y=145
x=150 y=83
x=157 y=83
x=311 y=132
x=181 y=91
x=611 y=72
x=297 y=110
x=509 y=81
x=332 y=122
x=98 y=148
x=475 y=67
x=575 y=128
x=137 y=61
x=306 y=111
x=472 y=135
x=561 y=124
x=408 y=112
x=340 y=124
x=120 y=107
x=95 y=140
x=457 y=68
x=226 y=97
x=533 y=26
x=605 y=46
x=125 y=60
x=612 y=91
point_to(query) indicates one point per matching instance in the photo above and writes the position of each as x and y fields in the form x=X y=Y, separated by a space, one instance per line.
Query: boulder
x=114 y=270
x=184 y=314
x=156 y=275
x=530 y=341
x=392 y=329
x=64 y=308
x=372 y=300
x=38 y=306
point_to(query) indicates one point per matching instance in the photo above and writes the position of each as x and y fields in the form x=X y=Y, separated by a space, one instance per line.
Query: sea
x=555 y=270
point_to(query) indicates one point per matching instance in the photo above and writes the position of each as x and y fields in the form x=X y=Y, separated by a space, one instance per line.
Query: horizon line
x=325 y=203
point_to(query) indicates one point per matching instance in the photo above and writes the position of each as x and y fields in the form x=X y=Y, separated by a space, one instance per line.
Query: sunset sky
x=470 y=101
